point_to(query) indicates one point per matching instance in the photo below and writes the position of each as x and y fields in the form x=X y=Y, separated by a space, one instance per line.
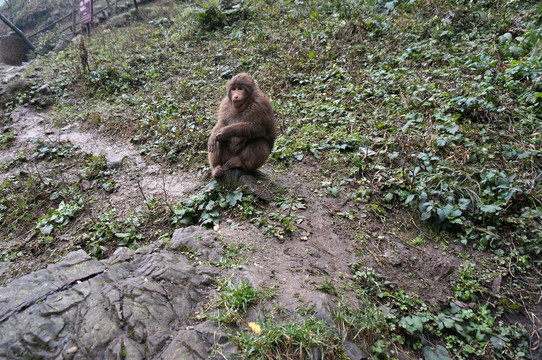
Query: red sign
x=85 y=11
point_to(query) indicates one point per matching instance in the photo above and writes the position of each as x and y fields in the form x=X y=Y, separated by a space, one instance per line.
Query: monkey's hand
x=220 y=135
x=212 y=143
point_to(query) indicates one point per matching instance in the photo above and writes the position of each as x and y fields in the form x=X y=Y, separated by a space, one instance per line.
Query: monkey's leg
x=218 y=158
x=251 y=157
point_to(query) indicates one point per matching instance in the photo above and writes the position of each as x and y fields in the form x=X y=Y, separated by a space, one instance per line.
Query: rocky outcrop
x=11 y=50
x=119 y=20
x=9 y=91
x=134 y=305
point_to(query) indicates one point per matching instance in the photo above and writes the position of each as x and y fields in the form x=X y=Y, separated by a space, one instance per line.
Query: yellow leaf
x=254 y=327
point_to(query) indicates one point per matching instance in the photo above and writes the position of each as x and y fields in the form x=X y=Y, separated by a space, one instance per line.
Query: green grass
x=233 y=300
x=269 y=337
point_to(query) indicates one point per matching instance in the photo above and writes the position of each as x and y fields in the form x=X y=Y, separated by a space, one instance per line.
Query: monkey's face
x=238 y=95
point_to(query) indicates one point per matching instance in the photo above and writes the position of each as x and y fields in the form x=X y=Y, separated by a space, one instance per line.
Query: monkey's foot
x=217 y=171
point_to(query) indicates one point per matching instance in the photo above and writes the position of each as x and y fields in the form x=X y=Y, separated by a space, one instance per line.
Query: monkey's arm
x=245 y=130
x=212 y=143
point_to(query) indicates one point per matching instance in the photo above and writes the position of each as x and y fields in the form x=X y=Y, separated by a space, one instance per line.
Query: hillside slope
x=405 y=184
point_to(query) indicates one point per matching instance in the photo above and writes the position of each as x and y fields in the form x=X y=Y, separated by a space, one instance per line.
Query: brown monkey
x=246 y=129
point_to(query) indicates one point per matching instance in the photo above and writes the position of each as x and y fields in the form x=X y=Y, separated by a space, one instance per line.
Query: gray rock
x=203 y=242
x=45 y=89
x=324 y=310
x=259 y=185
x=33 y=288
x=41 y=95
x=119 y=20
x=60 y=45
x=187 y=345
x=11 y=50
x=353 y=351
x=115 y=163
x=197 y=343
x=131 y=306
x=9 y=91
x=256 y=183
x=78 y=40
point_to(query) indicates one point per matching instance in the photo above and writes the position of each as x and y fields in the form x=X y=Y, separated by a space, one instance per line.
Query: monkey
x=246 y=129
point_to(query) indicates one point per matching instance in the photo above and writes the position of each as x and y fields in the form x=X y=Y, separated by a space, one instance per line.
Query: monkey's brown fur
x=246 y=129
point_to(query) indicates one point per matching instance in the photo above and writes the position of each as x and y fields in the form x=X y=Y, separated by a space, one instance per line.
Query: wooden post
x=19 y=32
x=108 y=7
x=74 y=23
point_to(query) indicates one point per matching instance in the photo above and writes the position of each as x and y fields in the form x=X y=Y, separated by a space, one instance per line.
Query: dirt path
x=154 y=180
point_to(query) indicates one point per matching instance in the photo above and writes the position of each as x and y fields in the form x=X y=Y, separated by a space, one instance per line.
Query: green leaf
x=233 y=198
x=122 y=235
x=47 y=229
x=442 y=141
x=311 y=54
x=439 y=353
x=490 y=208
x=412 y=324
x=448 y=323
x=444 y=212
x=187 y=220
x=499 y=342
x=333 y=191
x=410 y=198
x=425 y=215
x=463 y=203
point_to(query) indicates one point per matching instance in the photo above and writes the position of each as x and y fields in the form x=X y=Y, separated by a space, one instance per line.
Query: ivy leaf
x=412 y=323
x=425 y=215
x=464 y=203
x=210 y=217
x=187 y=220
x=232 y=199
x=490 y=208
x=47 y=229
x=333 y=191
x=499 y=342
x=425 y=208
x=439 y=353
x=122 y=235
x=444 y=212
x=442 y=141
